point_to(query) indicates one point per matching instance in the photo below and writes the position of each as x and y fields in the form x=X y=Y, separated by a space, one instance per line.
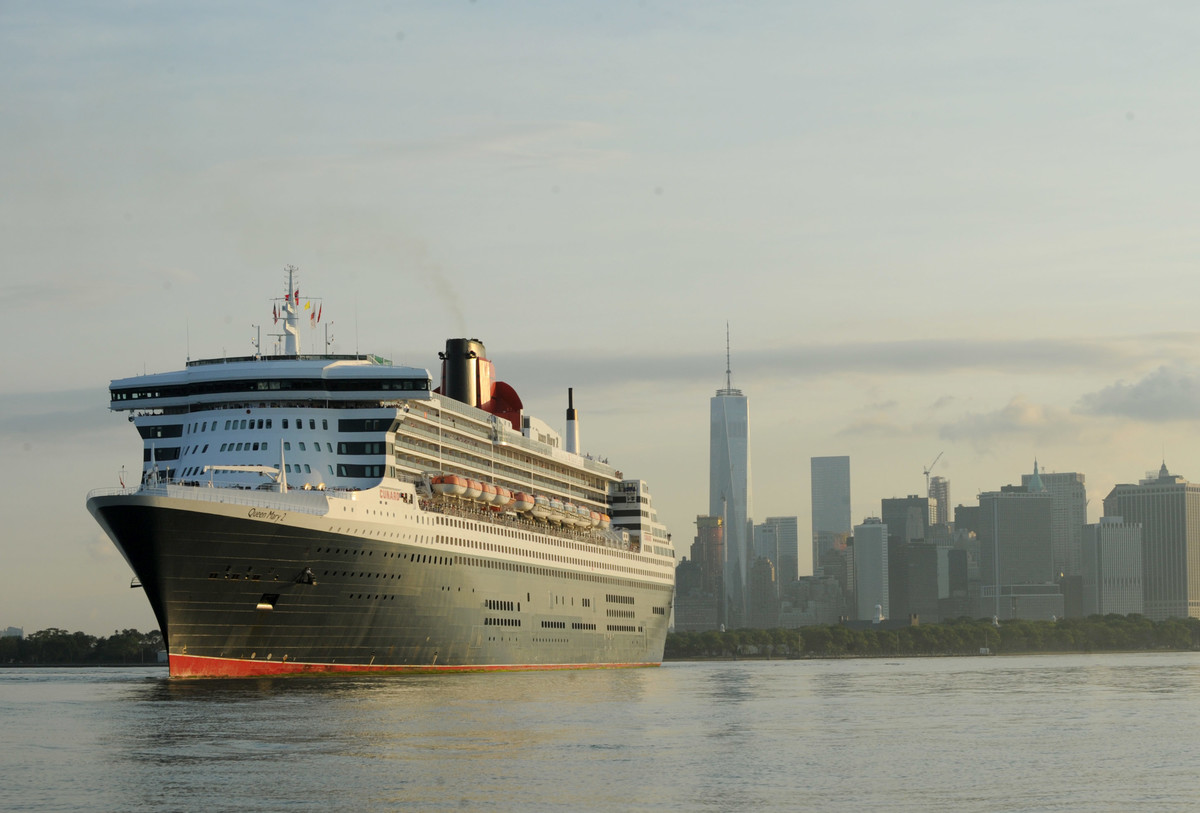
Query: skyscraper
x=1014 y=537
x=1068 y=515
x=908 y=518
x=729 y=485
x=939 y=489
x=1112 y=567
x=700 y=601
x=830 y=504
x=1168 y=509
x=871 y=570
x=786 y=531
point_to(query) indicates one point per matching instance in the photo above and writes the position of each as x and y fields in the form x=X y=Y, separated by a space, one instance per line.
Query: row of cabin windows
x=276 y=385
x=287 y=446
x=312 y=423
x=349 y=470
x=175 y=430
x=248 y=446
x=361 y=448
x=290 y=468
x=244 y=447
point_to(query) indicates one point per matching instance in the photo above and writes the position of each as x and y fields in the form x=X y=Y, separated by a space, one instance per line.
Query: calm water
x=1086 y=733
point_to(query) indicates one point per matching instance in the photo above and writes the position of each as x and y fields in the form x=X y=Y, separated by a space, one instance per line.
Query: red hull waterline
x=195 y=666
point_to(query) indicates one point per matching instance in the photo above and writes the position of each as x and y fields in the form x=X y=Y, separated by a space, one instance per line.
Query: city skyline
x=966 y=233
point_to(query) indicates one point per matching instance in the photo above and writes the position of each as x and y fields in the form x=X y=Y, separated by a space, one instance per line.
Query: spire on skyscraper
x=729 y=390
x=728 y=362
x=1035 y=482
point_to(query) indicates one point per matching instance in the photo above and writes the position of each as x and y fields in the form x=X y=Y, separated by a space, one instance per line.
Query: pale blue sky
x=932 y=226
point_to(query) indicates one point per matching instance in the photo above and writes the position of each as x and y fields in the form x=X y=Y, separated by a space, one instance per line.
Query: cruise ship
x=302 y=513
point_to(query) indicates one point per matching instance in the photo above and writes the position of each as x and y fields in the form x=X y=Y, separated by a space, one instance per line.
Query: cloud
x=1018 y=419
x=878 y=428
x=60 y=415
x=898 y=358
x=1170 y=393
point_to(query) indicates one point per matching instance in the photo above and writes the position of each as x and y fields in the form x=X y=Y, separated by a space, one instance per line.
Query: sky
x=965 y=229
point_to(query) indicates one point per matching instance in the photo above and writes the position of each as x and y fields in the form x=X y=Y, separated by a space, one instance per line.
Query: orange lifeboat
x=450 y=484
x=605 y=522
x=474 y=490
x=488 y=493
x=594 y=518
x=503 y=496
x=522 y=502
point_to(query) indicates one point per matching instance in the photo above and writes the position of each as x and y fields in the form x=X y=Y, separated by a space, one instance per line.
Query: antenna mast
x=728 y=364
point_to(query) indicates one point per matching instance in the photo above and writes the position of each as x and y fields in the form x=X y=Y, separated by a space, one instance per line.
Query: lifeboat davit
x=522 y=502
x=541 y=507
x=474 y=490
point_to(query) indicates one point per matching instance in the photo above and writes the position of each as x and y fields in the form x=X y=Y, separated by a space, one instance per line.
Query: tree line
x=56 y=646
x=1108 y=633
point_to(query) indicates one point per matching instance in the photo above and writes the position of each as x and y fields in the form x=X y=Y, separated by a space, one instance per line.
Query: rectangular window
x=168 y=431
x=243 y=424
x=239 y=448
x=364 y=424
x=324 y=423
x=205 y=449
x=264 y=446
x=287 y=445
x=268 y=423
x=214 y=426
x=285 y=421
x=302 y=447
x=312 y=424
x=226 y=426
x=255 y=449
x=171 y=453
x=307 y=470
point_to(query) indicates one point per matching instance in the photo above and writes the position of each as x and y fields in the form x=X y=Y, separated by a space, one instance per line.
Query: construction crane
x=928 y=469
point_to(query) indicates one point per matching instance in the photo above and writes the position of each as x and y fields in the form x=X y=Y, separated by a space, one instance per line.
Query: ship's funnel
x=466 y=372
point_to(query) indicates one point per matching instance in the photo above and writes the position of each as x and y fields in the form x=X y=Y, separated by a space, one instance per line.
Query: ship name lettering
x=272 y=516
x=388 y=494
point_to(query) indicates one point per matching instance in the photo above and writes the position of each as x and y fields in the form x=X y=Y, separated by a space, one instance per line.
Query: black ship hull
x=242 y=591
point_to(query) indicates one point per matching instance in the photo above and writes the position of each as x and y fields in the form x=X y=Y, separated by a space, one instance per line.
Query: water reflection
x=972 y=734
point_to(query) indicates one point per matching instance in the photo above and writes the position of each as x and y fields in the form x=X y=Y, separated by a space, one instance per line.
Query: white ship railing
x=308 y=502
